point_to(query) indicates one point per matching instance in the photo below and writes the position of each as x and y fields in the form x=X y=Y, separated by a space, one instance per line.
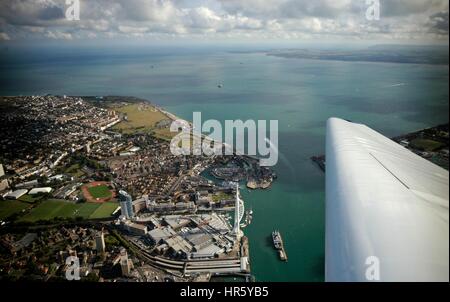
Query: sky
x=400 y=21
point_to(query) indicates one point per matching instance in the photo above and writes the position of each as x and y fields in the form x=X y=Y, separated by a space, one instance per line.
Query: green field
x=143 y=118
x=221 y=196
x=9 y=207
x=50 y=209
x=101 y=191
x=139 y=116
x=104 y=210
x=426 y=144
x=74 y=170
x=30 y=198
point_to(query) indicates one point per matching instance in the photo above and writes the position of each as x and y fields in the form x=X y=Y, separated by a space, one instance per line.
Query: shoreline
x=407 y=141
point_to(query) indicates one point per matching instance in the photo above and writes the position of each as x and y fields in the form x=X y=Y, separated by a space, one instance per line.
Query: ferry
x=278 y=244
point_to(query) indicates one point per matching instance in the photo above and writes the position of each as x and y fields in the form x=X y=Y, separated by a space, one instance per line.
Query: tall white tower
x=238 y=214
x=126 y=204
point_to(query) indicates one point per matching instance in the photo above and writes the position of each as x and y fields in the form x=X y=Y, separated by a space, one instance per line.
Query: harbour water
x=391 y=98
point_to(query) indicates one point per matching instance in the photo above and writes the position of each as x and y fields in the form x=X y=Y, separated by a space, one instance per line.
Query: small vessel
x=278 y=244
x=248 y=217
x=220 y=85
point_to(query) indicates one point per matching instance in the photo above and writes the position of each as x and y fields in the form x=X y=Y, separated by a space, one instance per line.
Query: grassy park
x=50 y=209
x=10 y=207
x=74 y=170
x=221 y=196
x=139 y=117
x=31 y=198
x=143 y=118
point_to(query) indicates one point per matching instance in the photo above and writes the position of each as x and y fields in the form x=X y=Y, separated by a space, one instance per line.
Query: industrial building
x=135 y=228
x=193 y=237
x=160 y=234
x=43 y=190
x=176 y=221
x=170 y=207
x=15 y=194
x=27 y=185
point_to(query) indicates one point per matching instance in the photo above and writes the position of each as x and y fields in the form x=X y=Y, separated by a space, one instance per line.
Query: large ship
x=278 y=244
x=277 y=240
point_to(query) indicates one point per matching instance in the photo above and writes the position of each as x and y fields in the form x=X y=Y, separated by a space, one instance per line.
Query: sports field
x=98 y=192
x=104 y=210
x=101 y=191
x=426 y=144
x=10 y=207
x=51 y=209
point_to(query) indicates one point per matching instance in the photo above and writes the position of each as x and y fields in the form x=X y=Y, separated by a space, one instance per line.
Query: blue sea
x=301 y=94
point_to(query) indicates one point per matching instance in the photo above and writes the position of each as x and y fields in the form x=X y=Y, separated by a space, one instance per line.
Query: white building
x=28 y=184
x=15 y=194
x=40 y=190
x=135 y=228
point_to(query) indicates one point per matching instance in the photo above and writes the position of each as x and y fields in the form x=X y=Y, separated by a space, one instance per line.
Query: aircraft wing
x=386 y=209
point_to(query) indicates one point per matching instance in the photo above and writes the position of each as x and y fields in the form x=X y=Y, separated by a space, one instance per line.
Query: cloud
x=438 y=23
x=29 y=12
x=132 y=29
x=393 y=8
x=57 y=35
x=4 y=37
x=226 y=19
x=148 y=10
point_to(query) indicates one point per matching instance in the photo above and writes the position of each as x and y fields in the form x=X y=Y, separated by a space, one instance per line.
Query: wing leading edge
x=386 y=209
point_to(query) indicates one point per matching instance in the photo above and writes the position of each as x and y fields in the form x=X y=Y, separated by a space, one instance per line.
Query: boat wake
x=396 y=85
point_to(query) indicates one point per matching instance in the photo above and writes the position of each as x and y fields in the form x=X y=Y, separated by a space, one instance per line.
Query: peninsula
x=93 y=177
